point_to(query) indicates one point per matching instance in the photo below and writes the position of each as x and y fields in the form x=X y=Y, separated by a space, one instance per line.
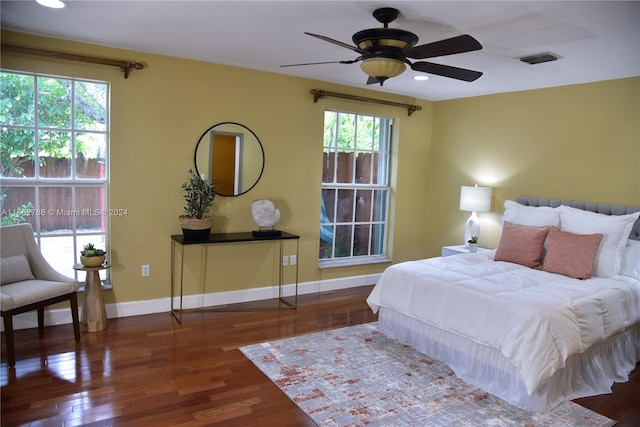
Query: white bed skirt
x=587 y=374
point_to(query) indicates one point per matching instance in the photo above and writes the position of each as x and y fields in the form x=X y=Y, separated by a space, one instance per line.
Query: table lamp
x=474 y=199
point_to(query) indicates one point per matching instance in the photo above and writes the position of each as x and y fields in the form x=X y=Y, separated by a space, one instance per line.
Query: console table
x=222 y=238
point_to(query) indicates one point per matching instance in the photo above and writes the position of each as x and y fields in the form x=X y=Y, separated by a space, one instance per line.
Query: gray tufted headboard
x=602 y=208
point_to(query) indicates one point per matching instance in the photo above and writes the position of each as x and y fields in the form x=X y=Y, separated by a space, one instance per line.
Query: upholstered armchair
x=29 y=283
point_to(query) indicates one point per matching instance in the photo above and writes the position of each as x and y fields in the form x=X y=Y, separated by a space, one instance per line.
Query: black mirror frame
x=195 y=155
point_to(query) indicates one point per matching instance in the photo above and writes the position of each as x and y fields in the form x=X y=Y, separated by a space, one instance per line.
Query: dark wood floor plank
x=150 y=370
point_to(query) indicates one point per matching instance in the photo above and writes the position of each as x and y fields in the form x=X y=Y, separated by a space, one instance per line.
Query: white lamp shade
x=475 y=199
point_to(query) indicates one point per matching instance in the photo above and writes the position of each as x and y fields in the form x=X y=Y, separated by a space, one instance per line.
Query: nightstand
x=459 y=249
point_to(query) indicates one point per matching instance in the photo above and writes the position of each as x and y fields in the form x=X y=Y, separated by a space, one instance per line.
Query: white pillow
x=630 y=266
x=614 y=228
x=541 y=216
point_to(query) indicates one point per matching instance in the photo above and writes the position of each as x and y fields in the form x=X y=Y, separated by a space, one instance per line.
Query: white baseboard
x=62 y=316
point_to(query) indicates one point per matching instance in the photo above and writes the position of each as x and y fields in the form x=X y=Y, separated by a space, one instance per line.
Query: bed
x=552 y=314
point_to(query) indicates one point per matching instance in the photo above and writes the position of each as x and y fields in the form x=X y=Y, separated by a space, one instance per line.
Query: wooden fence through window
x=56 y=210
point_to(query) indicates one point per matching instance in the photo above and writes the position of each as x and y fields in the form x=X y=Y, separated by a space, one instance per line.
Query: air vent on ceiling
x=539 y=58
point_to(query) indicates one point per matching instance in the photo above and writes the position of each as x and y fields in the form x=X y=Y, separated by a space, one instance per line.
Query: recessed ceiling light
x=420 y=78
x=56 y=4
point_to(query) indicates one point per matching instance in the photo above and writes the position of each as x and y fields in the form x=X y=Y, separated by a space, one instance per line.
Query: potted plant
x=92 y=257
x=473 y=244
x=198 y=195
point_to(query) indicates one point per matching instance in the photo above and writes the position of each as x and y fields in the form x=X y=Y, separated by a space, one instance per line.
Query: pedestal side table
x=94 y=316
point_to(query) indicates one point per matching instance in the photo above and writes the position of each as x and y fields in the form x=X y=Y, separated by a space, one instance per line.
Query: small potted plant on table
x=90 y=256
x=198 y=195
x=473 y=244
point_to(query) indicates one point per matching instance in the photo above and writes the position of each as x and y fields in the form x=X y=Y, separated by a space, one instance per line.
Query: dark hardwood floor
x=151 y=371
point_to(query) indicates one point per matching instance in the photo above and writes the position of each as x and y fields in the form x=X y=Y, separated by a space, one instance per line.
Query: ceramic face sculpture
x=265 y=213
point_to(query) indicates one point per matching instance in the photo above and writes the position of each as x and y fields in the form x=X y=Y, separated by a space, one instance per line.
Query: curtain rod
x=125 y=66
x=318 y=94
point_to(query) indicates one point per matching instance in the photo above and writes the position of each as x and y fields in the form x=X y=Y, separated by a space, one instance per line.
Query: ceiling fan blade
x=319 y=63
x=458 y=44
x=339 y=43
x=373 y=81
x=446 y=71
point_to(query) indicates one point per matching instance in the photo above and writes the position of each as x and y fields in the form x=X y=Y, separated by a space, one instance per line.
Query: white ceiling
x=596 y=40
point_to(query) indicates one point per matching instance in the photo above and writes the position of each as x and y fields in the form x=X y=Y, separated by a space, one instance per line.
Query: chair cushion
x=19 y=294
x=15 y=269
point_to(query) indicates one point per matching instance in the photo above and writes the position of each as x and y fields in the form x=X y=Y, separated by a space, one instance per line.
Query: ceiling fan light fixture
x=384 y=37
x=383 y=67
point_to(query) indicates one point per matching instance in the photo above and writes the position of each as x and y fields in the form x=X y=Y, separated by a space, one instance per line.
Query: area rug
x=355 y=376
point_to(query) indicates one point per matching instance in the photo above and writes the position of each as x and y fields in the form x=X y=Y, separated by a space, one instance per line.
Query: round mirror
x=230 y=155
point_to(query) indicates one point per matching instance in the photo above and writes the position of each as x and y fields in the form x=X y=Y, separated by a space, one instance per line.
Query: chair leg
x=40 y=318
x=73 y=301
x=8 y=338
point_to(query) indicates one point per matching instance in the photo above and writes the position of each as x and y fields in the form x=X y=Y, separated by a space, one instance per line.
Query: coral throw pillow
x=521 y=244
x=572 y=255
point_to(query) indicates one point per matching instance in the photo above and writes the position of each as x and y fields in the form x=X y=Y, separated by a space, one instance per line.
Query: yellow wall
x=157 y=116
x=579 y=142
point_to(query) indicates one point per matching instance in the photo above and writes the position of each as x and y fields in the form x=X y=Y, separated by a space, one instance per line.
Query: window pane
x=381 y=169
x=16 y=104
x=18 y=152
x=361 y=240
x=18 y=204
x=345 y=167
x=366 y=132
x=328 y=202
x=90 y=204
x=328 y=167
x=326 y=249
x=54 y=103
x=343 y=241
x=378 y=142
x=363 y=168
x=380 y=205
x=91 y=150
x=91 y=106
x=55 y=203
x=330 y=127
x=377 y=239
x=345 y=206
x=363 y=206
x=58 y=251
x=346 y=131
x=54 y=154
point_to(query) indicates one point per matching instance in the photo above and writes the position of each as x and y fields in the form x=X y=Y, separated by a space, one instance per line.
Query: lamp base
x=472 y=228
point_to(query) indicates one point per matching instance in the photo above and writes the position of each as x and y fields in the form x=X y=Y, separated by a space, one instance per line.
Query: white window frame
x=73 y=182
x=386 y=131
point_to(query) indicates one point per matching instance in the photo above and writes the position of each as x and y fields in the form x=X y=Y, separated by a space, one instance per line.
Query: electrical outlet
x=285 y=261
x=145 y=270
x=294 y=259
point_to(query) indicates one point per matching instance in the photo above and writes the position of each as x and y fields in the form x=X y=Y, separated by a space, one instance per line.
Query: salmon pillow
x=521 y=244
x=570 y=254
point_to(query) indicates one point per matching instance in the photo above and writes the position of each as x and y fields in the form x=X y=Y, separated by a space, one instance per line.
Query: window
x=355 y=188
x=54 y=162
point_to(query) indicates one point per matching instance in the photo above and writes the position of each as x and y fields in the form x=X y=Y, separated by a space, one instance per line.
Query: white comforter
x=536 y=319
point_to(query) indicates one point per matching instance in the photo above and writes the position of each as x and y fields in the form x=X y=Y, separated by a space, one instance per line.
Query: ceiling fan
x=384 y=51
